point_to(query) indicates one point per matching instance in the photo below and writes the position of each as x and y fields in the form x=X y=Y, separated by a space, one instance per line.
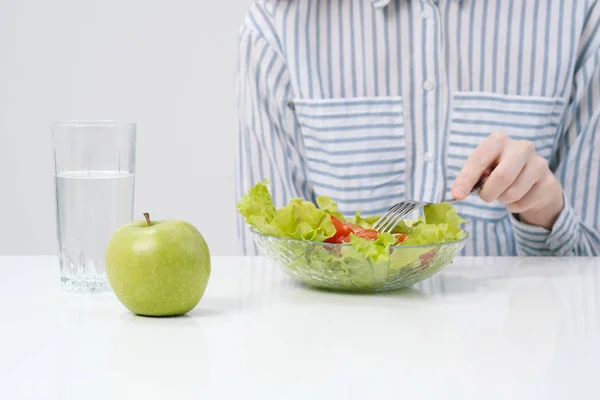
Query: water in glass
x=94 y=182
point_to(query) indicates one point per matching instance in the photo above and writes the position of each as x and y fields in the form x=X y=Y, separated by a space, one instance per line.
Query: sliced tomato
x=342 y=232
x=370 y=234
x=401 y=237
x=426 y=257
x=338 y=239
x=355 y=228
x=335 y=239
x=340 y=227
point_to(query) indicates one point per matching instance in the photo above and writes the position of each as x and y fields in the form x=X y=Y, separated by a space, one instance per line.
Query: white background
x=167 y=65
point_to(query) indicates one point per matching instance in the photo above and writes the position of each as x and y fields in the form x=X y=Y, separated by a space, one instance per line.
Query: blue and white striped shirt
x=375 y=101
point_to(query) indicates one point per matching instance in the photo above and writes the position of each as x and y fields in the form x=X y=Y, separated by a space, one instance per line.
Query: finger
x=512 y=161
x=533 y=198
x=482 y=158
x=535 y=170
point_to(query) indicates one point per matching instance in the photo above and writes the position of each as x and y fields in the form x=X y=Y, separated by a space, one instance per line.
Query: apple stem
x=147 y=216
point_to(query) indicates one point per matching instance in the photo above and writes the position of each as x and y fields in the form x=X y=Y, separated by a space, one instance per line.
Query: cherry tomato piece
x=370 y=234
x=426 y=258
x=342 y=232
x=401 y=237
x=341 y=228
x=355 y=228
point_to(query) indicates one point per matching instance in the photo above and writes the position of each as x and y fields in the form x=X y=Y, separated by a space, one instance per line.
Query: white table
x=483 y=329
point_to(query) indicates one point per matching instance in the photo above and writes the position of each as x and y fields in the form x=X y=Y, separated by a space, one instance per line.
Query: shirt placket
x=433 y=93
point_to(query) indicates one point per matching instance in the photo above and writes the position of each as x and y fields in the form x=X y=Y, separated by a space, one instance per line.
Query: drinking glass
x=94 y=169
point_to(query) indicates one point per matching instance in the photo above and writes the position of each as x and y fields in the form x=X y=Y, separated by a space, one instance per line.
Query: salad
x=346 y=250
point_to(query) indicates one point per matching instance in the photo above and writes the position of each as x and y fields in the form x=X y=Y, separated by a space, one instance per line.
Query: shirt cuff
x=537 y=241
x=565 y=232
x=531 y=240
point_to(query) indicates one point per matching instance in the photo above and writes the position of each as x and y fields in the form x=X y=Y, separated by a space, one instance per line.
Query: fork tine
x=399 y=213
x=389 y=215
x=400 y=216
x=384 y=226
x=395 y=214
x=386 y=217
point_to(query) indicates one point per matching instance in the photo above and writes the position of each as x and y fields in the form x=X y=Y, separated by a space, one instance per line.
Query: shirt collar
x=380 y=3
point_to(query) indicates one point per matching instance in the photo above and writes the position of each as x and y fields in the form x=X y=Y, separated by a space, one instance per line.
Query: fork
x=388 y=222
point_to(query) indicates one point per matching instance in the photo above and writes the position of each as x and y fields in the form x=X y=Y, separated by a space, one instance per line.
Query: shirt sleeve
x=577 y=229
x=268 y=142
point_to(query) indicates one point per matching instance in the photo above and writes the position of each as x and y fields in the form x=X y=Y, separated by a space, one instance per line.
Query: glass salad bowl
x=340 y=267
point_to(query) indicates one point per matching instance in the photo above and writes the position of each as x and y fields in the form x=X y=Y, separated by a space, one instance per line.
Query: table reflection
x=484 y=322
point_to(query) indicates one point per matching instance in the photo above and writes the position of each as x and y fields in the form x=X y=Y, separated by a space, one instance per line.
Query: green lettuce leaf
x=363 y=222
x=408 y=227
x=300 y=220
x=377 y=250
x=346 y=268
x=442 y=213
x=442 y=224
x=257 y=207
x=328 y=205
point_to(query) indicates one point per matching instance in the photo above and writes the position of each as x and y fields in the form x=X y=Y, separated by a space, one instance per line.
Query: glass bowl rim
x=341 y=245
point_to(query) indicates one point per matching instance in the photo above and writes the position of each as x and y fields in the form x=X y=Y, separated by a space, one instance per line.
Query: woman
x=375 y=101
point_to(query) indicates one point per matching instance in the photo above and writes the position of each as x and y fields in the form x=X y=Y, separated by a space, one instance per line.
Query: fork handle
x=479 y=183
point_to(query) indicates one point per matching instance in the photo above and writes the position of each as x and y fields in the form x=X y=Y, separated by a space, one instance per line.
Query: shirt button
x=428 y=157
x=426 y=13
x=429 y=85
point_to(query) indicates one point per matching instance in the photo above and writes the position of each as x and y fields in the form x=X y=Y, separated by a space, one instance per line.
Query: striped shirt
x=376 y=101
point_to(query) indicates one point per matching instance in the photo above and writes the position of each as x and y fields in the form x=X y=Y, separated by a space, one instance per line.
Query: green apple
x=158 y=268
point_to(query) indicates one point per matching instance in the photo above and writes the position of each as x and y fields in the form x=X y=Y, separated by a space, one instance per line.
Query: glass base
x=101 y=286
